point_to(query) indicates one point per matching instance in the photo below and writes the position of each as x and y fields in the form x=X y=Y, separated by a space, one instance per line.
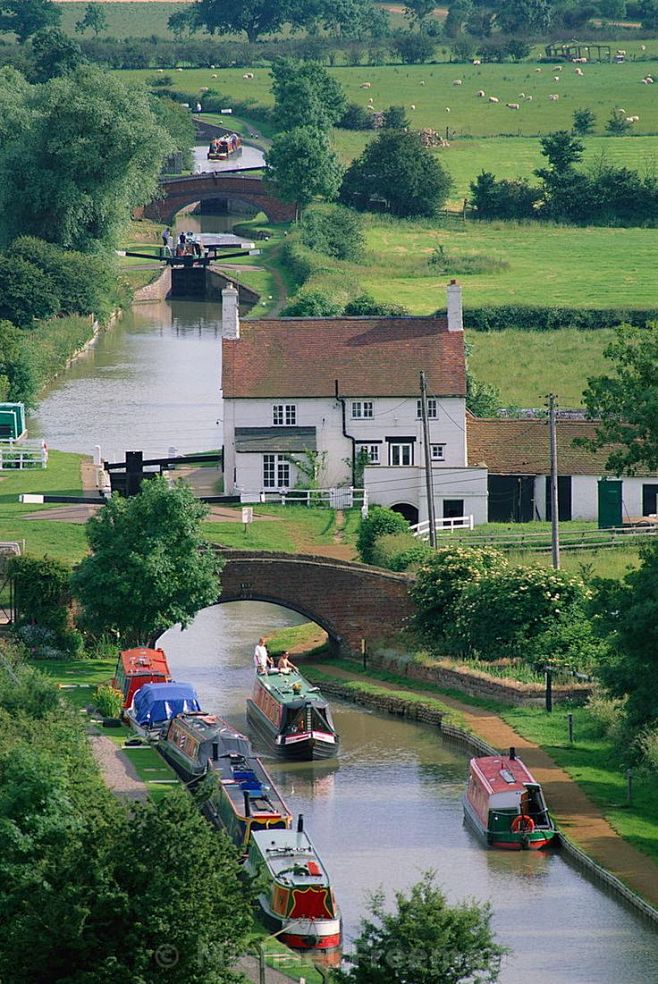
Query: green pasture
x=124 y=20
x=602 y=88
x=547 y=264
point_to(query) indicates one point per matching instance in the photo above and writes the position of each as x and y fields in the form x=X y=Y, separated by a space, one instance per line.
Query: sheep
x=580 y=72
x=521 y=95
x=528 y=99
x=215 y=76
x=630 y=119
x=512 y=105
x=493 y=99
x=538 y=70
x=161 y=70
x=370 y=101
x=447 y=109
x=421 y=82
x=648 y=80
x=635 y=119
x=248 y=75
x=554 y=98
x=556 y=78
x=643 y=47
x=204 y=88
x=456 y=81
x=480 y=93
x=413 y=106
x=477 y=61
x=366 y=85
x=557 y=68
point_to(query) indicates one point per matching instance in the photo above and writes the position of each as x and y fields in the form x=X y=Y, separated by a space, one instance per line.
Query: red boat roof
x=501 y=774
x=136 y=662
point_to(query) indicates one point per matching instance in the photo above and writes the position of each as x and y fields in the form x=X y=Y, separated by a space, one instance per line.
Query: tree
x=584 y=121
x=333 y=230
x=149 y=566
x=395 y=118
x=424 y=940
x=302 y=166
x=414 y=48
x=89 y=152
x=254 y=17
x=525 y=17
x=25 y=17
x=417 y=11
x=617 y=124
x=562 y=150
x=398 y=171
x=55 y=54
x=26 y=292
x=94 y=20
x=355 y=117
x=305 y=94
x=626 y=402
x=505 y=199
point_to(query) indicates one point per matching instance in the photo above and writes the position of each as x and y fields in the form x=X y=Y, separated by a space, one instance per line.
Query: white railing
x=337 y=498
x=23 y=455
x=446 y=525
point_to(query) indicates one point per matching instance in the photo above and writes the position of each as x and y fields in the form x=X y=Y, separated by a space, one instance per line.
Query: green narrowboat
x=292 y=716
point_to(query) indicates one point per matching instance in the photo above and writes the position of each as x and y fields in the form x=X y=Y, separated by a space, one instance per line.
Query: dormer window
x=362 y=410
x=432 y=408
x=284 y=415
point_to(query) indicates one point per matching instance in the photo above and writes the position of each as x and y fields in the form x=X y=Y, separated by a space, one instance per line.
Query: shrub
x=26 y=292
x=616 y=124
x=413 y=48
x=314 y=302
x=608 y=714
x=377 y=523
x=83 y=283
x=568 y=643
x=299 y=261
x=527 y=317
x=584 y=121
x=355 y=117
x=42 y=591
x=647 y=744
x=108 y=701
x=395 y=118
x=333 y=230
x=365 y=305
x=399 y=551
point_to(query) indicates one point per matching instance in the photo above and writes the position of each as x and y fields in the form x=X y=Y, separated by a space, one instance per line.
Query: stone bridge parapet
x=177 y=193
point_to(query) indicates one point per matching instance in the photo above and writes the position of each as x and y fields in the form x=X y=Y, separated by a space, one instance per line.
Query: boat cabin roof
x=142 y=661
x=289 y=686
x=209 y=727
x=290 y=857
x=501 y=774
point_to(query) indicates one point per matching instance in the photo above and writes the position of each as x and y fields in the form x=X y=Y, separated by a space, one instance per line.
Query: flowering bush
x=108 y=701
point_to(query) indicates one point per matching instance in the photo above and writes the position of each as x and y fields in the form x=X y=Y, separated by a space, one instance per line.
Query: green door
x=609 y=503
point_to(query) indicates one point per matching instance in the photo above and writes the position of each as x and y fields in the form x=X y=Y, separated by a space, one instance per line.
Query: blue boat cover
x=157 y=702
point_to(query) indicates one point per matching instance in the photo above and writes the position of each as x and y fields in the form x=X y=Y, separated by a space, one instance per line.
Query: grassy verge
x=307 y=638
x=280 y=528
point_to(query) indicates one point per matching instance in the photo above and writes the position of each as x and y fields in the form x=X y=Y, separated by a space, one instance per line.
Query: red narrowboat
x=137 y=667
x=505 y=805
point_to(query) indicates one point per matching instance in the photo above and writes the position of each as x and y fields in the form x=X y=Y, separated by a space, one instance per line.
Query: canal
x=390 y=807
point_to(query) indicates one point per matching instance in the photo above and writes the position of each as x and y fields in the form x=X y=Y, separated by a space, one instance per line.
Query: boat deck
x=291 y=858
x=289 y=685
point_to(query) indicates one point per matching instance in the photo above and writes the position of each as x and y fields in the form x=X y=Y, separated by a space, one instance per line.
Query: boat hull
x=305 y=746
x=180 y=765
x=320 y=938
x=507 y=840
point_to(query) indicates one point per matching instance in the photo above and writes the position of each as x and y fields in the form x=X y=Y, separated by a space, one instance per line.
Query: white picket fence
x=336 y=498
x=445 y=525
x=23 y=454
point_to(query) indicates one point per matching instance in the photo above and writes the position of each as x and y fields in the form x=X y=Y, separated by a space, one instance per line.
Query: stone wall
x=157 y=290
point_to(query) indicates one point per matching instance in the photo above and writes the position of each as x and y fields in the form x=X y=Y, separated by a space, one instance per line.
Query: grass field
x=124 y=20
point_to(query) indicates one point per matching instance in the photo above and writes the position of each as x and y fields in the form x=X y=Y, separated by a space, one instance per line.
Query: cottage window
x=400 y=454
x=432 y=408
x=276 y=472
x=362 y=410
x=372 y=450
x=284 y=415
x=438 y=452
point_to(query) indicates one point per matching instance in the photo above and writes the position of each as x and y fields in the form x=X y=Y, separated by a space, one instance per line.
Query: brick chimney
x=230 y=312
x=455 y=320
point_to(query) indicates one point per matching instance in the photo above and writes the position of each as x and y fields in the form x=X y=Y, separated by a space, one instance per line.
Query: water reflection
x=390 y=808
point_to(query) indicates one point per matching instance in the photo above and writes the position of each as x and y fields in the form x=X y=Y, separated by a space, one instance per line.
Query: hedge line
x=538 y=318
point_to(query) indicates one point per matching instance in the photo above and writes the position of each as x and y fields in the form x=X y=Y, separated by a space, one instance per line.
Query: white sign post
x=247 y=516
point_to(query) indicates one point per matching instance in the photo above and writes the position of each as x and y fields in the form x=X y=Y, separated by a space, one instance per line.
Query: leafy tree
x=378 y=522
x=365 y=305
x=617 y=124
x=333 y=230
x=414 y=48
x=94 y=20
x=397 y=170
x=83 y=284
x=612 y=9
x=584 y=121
x=649 y=12
x=525 y=17
x=424 y=940
x=26 y=292
x=395 y=118
x=89 y=152
x=17 y=380
x=458 y=14
x=562 y=150
x=302 y=166
x=254 y=17
x=314 y=302
x=25 y=17
x=149 y=566
x=506 y=199
x=42 y=587
x=626 y=402
x=305 y=94
x=55 y=54
x=355 y=117
x=417 y=11
x=349 y=18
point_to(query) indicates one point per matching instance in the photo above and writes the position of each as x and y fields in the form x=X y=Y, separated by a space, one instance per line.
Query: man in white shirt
x=261 y=660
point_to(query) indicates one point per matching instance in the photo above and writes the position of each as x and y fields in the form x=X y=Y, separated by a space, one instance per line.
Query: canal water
x=390 y=807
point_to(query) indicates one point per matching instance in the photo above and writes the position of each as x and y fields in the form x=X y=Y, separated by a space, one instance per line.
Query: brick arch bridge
x=176 y=193
x=350 y=602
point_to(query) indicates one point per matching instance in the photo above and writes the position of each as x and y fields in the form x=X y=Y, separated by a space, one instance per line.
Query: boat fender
x=523 y=824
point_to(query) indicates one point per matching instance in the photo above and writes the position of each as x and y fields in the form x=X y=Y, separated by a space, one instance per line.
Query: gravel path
x=118 y=773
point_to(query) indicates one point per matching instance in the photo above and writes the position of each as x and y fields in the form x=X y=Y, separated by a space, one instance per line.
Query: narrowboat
x=242 y=795
x=155 y=704
x=221 y=148
x=505 y=805
x=292 y=716
x=137 y=667
x=297 y=901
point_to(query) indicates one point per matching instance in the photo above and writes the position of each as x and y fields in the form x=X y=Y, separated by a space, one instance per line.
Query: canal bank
x=588 y=837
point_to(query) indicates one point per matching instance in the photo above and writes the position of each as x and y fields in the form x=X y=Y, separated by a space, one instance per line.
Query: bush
x=413 y=48
x=108 y=701
x=440 y=585
x=355 y=117
x=333 y=230
x=299 y=261
x=395 y=118
x=314 y=302
x=647 y=744
x=399 y=551
x=527 y=317
x=365 y=305
x=608 y=714
x=41 y=587
x=83 y=283
x=377 y=523
x=567 y=644
x=26 y=292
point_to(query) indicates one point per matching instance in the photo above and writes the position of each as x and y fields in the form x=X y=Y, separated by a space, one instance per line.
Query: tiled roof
x=274 y=439
x=302 y=357
x=521 y=447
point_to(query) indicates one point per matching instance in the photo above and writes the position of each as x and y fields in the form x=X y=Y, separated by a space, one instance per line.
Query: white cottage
x=349 y=388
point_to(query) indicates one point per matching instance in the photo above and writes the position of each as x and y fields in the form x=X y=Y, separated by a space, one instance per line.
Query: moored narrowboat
x=242 y=796
x=505 y=805
x=156 y=704
x=292 y=716
x=297 y=901
x=137 y=667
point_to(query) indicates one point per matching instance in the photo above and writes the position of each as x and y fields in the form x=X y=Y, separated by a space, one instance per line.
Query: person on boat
x=262 y=660
x=284 y=665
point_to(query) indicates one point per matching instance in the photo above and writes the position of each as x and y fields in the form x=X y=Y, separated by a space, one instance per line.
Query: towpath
x=577 y=815
x=118 y=773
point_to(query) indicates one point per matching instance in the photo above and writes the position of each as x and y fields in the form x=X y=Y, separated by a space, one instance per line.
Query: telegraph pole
x=429 y=481
x=555 y=529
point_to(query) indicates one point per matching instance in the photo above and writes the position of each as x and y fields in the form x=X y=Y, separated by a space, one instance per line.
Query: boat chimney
x=512 y=752
x=215 y=751
x=455 y=316
x=230 y=312
x=300 y=823
x=247 y=805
